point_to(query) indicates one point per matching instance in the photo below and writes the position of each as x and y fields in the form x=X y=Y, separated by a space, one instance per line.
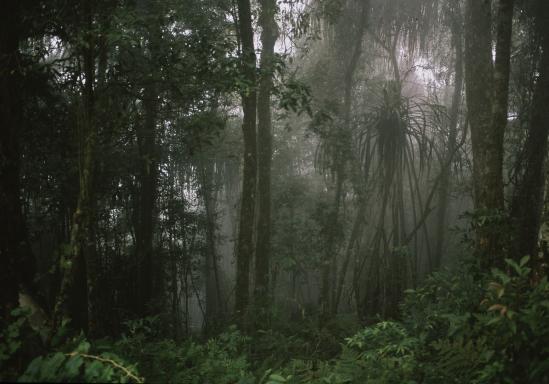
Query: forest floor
x=459 y=326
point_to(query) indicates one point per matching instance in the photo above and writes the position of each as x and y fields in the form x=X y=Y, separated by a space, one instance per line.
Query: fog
x=198 y=168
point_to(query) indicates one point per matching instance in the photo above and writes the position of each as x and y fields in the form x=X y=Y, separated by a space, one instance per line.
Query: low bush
x=79 y=366
x=456 y=328
x=463 y=327
x=219 y=360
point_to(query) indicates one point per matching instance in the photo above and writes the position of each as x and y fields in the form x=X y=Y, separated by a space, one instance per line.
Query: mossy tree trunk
x=82 y=251
x=527 y=201
x=269 y=34
x=245 y=247
x=487 y=85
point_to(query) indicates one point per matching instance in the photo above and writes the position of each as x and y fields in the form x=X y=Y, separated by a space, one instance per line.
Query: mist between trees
x=256 y=172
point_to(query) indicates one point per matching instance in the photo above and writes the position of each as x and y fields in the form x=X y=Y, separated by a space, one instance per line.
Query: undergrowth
x=458 y=327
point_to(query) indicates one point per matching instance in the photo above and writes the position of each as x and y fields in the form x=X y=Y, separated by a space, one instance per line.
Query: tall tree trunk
x=174 y=272
x=487 y=90
x=147 y=196
x=356 y=52
x=351 y=246
x=329 y=257
x=214 y=302
x=88 y=193
x=329 y=294
x=457 y=38
x=148 y=171
x=245 y=247
x=269 y=34
x=527 y=201
x=82 y=239
x=16 y=260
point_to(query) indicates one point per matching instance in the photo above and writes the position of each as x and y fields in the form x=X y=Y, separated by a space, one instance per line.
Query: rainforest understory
x=274 y=191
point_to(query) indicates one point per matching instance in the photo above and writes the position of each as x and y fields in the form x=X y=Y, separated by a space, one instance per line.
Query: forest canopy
x=274 y=191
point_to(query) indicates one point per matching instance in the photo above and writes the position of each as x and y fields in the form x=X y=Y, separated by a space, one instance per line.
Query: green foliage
x=80 y=366
x=294 y=95
x=71 y=359
x=219 y=360
x=296 y=229
x=516 y=322
x=443 y=303
x=495 y=334
x=19 y=344
x=459 y=327
x=384 y=352
x=463 y=327
x=299 y=340
x=11 y=336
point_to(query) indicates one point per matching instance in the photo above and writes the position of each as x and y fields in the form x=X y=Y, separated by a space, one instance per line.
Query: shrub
x=80 y=366
x=457 y=328
x=219 y=360
x=498 y=333
x=19 y=344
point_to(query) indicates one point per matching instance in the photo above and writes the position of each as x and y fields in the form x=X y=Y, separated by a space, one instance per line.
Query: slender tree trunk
x=174 y=288
x=213 y=290
x=82 y=239
x=148 y=172
x=174 y=254
x=347 y=104
x=16 y=260
x=330 y=292
x=502 y=70
x=147 y=196
x=245 y=247
x=269 y=34
x=487 y=90
x=527 y=201
x=328 y=263
x=457 y=37
x=353 y=239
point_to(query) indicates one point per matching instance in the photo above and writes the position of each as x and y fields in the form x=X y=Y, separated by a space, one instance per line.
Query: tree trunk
x=351 y=245
x=330 y=290
x=486 y=90
x=327 y=296
x=269 y=34
x=245 y=247
x=147 y=195
x=457 y=37
x=527 y=201
x=83 y=253
x=347 y=101
x=16 y=260
x=214 y=302
x=148 y=171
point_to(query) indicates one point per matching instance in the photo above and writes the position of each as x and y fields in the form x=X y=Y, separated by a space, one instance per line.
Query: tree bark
x=83 y=253
x=148 y=168
x=330 y=293
x=269 y=34
x=245 y=247
x=527 y=201
x=16 y=260
x=457 y=37
x=486 y=91
x=356 y=53
x=214 y=302
x=351 y=245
